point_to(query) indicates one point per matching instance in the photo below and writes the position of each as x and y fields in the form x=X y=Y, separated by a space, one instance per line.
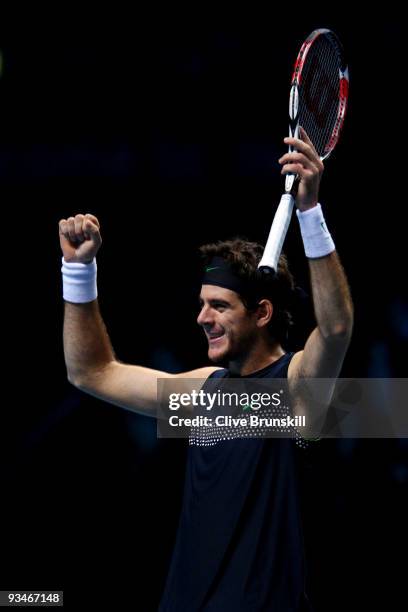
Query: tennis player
x=239 y=542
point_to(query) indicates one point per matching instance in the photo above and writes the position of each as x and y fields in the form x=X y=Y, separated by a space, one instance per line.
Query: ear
x=264 y=312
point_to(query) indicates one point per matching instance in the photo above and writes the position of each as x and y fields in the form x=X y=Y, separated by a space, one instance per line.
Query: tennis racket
x=317 y=102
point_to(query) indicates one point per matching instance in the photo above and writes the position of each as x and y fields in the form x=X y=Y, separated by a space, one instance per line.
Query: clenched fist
x=80 y=238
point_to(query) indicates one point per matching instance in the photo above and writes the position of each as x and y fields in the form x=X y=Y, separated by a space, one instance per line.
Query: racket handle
x=280 y=224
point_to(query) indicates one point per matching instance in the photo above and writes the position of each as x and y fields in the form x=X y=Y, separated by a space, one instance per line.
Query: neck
x=259 y=356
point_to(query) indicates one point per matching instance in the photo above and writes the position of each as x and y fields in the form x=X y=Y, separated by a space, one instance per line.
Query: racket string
x=319 y=93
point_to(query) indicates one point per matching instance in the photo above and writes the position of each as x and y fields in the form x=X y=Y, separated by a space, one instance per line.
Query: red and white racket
x=317 y=102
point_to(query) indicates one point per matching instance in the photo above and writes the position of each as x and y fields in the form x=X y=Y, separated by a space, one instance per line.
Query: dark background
x=168 y=125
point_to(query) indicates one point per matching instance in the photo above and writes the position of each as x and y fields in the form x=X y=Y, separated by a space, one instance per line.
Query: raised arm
x=89 y=356
x=325 y=349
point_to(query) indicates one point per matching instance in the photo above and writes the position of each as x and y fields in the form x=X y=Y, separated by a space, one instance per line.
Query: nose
x=204 y=316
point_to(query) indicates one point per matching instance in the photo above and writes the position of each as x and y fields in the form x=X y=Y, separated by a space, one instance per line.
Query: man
x=239 y=543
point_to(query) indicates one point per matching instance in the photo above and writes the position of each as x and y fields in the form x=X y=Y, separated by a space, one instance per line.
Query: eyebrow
x=213 y=301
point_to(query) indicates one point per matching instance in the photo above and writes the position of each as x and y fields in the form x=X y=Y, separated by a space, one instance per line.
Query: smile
x=215 y=339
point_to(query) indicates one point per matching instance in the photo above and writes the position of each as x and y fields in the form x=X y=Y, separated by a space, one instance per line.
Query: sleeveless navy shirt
x=239 y=545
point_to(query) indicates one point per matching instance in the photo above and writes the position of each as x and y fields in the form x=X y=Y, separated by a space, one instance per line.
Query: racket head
x=319 y=90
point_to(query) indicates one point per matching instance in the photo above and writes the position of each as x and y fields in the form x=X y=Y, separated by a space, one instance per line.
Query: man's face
x=230 y=328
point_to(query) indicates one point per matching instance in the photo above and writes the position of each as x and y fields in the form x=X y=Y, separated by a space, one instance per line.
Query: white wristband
x=79 y=282
x=316 y=237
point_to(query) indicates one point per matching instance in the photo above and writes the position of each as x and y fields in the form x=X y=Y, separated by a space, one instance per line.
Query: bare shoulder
x=294 y=369
x=199 y=373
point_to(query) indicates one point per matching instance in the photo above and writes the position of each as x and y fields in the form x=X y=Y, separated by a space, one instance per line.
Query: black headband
x=219 y=272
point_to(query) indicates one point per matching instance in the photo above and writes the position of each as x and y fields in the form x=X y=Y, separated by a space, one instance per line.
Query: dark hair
x=244 y=257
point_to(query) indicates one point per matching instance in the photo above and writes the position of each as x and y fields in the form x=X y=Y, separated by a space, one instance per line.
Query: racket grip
x=280 y=224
